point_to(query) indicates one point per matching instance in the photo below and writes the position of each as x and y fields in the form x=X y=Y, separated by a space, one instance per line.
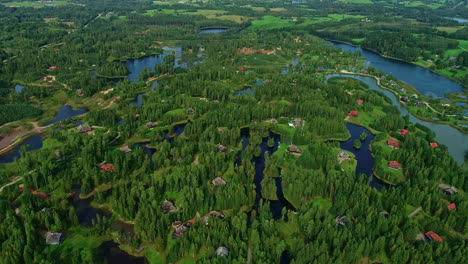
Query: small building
x=126 y=149
x=393 y=144
x=433 y=236
x=404 y=99
x=420 y=104
x=222 y=252
x=137 y=115
x=218 y=181
x=84 y=129
x=415 y=96
x=107 y=167
x=54 y=238
x=191 y=111
x=340 y=220
x=353 y=113
x=291 y=125
x=273 y=121
x=150 y=124
x=52 y=68
x=452 y=207
x=404 y=132
x=272 y=102
x=359 y=101
x=294 y=149
x=79 y=92
x=433 y=145
x=297 y=121
x=448 y=189
x=342 y=155
x=364 y=71
x=221 y=148
x=168 y=206
x=241 y=69
x=403 y=90
x=320 y=69
x=394 y=165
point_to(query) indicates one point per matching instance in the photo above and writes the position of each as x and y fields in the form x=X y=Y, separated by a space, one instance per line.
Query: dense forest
x=225 y=147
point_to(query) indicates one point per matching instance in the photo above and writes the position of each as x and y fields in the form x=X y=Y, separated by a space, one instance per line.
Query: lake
x=112 y=254
x=456 y=141
x=213 y=30
x=425 y=81
x=64 y=113
x=33 y=143
x=19 y=88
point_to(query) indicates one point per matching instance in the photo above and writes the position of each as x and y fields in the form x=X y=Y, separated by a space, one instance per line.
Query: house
x=359 y=101
x=298 y=121
x=433 y=145
x=404 y=99
x=191 y=111
x=452 y=207
x=212 y=213
x=420 y=104
x=403 y=90
x=273 y=121
x=394 y=165
x=107 y=167
x=137 y=115
x=79 y=92
x=294 y=149
x=221 y=148
x=404 y=132
x=291 y=125
x=150 y=124
x=433 y=236
x=218 y=181
x=415 y=96
x=222 y=252
x=54 y=238
x=342 y=155
x=340 y=220
x=125 y=149
x=382 y=77
x=272 y=102
x=41 y=195
x=84 y=129
x=393 y=144
x=52 y=68
x=353 y=113
x=241 y=69
x=168 y=206
x=320 y=69
x=364 y=71
x=448 y=189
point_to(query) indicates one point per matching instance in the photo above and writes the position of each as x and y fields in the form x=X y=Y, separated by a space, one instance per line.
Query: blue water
x=33 y=143
x=64 y=113
x=459 y=20
x=425 y=81
x=213 y=31
x=244 y=92
x=138 y=101
x=456 y=141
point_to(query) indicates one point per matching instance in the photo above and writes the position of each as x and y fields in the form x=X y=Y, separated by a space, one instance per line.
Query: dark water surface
x=64 y=113
x=33 y=143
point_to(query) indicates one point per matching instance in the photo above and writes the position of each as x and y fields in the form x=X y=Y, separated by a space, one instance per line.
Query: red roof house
x=394 y=165
x=434 y=145
x=353 y=113
x=107 y=167
x=272 y=102
x=137 y=115
x=393 y=144
x=241 y=68
x=433 y=236
x=41 y=195
x=452 y=207
x=404 y=131
x=359 y=101
x=52 y=68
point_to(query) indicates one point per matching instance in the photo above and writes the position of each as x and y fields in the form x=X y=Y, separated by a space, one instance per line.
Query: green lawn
x=34 y=4
x=358 y=40
x=340 y=17
x=271 y=22
x=357 y=1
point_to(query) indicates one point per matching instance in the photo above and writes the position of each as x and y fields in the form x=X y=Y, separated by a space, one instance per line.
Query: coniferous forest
x=230 y=132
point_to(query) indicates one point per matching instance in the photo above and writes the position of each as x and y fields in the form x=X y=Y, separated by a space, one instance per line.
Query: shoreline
x=465 y=86
x=398 y=97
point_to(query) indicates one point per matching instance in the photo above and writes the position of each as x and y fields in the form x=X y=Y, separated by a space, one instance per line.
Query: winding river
x=456 y=141
x=425 y=81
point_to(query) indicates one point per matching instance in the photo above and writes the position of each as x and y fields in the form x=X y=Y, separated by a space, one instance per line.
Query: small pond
x=112 y=254
x=19 y=88
x=33 y=143
x=213 y=30
x=64 y=113
x=84 y=211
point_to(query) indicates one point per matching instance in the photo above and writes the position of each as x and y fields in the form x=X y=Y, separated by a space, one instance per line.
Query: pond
x=87 y=215
x=32 y=143
x=365 y=161
x=459 y=20
x=456 y=141
x=64 y=113
x=245 y=91
x=112 y=254
x=213 y=30
x=425 y=81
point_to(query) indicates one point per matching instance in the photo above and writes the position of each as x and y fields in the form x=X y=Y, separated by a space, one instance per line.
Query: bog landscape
x=216 y=131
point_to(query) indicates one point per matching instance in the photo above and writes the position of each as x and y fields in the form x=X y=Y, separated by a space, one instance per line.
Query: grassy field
x=357 y=1
x=210 y=14
x=340 y=17
x=448 y=29
x=34 y=4
x=271 y=22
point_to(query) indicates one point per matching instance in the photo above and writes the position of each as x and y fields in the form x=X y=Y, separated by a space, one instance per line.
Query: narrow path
x=417 y=210
x=11 y=183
